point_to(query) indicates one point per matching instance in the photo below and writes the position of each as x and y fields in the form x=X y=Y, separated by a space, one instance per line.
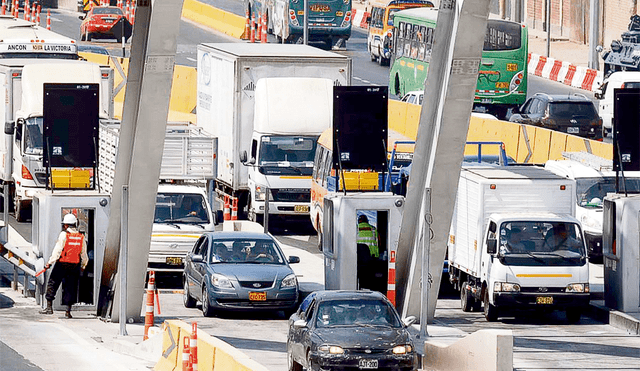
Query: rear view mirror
x=294 y=259
x=243 y=157
x=9 y=128
x=300 y=323
x=491 y=246
x=196 y=258
x=409 y=321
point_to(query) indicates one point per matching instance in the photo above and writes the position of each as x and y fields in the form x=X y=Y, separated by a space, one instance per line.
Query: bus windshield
x=502 y=36
x=286 y=155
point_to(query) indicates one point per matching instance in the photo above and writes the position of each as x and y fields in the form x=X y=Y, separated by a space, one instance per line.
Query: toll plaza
x=342 y=252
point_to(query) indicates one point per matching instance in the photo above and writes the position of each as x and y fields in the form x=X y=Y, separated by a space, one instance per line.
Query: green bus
x=502 y=76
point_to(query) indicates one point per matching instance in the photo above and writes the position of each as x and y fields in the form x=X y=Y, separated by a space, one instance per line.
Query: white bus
x=23 y=39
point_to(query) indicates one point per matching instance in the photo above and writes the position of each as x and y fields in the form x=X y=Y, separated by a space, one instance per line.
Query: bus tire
x=319 y=239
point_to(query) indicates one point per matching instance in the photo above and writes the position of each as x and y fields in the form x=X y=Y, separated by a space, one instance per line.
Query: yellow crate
x=351 y=181
x=70 y=178
x=369 y=181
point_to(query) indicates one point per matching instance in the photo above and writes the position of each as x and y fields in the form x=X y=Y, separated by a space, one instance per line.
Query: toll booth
x=92 y=210
x=621 y=252
x=342 y=252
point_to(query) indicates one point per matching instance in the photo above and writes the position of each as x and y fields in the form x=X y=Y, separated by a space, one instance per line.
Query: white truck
x=21 y=106
x=183 y=211
x=267 y=104
x=514 y=243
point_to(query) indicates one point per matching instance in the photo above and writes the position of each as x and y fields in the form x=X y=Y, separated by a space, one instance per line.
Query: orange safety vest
x=72 y=248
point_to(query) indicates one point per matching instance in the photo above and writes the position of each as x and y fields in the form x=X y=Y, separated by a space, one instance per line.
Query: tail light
x=26 y=174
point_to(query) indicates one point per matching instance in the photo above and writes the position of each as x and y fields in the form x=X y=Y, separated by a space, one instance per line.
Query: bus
x=329 y=20
x=502 y=75
x=23 y=39
x=381 y=26
x=326 y=179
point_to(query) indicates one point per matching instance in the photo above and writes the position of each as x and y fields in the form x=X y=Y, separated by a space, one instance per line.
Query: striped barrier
x=576 y=76
x=360 y=18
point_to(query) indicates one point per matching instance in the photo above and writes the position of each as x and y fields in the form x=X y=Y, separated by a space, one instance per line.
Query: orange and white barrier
x=149 y=308
x=227 y=208
x=577 y=76
x=263 y=35
x=193 y=345
x=360 y=18
x=38 y=15
x=234 y=208
x=391 y=278
x=252 y=34
x=48 y=19
x=186 y=355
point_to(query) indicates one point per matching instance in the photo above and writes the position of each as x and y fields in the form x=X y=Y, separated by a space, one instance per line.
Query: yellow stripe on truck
x=545 y=275
x=194 y=236
x=295 y=177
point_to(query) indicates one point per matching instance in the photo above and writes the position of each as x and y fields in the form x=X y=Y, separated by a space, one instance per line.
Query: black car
x=349 y=330
x=573 y=114
x=239 y=271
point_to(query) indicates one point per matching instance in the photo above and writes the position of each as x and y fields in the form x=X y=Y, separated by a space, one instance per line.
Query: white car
x=415 y=97
x=617 y=80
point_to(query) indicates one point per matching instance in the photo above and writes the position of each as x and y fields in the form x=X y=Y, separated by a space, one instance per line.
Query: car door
x=190 y=268
x=296 y=335
x=200 y=268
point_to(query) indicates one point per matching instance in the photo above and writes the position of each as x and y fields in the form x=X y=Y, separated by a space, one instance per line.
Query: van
x=617 y=80
x=381 y=26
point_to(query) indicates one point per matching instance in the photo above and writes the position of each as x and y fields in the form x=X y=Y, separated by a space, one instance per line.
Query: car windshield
x=110 y=10
x=532 y=243
x=572 y=109
x=590 y=192
x=255 y=251
x=287 y=155
x=356 y=312
x=33 y=136
x=185 y=208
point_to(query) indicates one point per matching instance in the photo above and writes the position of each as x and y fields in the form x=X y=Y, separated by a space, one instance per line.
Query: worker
x=69 y=258
x=368 y=235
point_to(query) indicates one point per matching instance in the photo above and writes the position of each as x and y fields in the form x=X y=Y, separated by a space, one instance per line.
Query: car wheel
x=87 y=36
x=187 y=299
x=466 y=300
x=82 y=36
x=207 y=311
x=292 y=365
x=573 y=315
x=490 y=311
x=310 y=365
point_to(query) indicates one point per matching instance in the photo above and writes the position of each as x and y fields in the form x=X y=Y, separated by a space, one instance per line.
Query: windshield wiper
x=535 y=257
x=171 y=223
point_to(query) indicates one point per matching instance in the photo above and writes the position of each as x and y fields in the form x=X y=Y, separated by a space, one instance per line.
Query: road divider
x=564 y=72
x=490 y=350
x=206 y=15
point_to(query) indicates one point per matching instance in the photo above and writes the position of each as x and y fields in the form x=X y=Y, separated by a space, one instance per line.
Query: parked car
x=617 y=80
x=239 y=271
x=349 y=330
x=416 y=96
x=573 y=114
x=104 y=22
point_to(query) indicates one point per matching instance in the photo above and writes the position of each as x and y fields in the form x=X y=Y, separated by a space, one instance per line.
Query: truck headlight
x=506 y=287
x=260 y=193
x=221 y=281
x=591 y=223
x=577 y=287
x=290 y=281
x=331 y=349
x=402 y=349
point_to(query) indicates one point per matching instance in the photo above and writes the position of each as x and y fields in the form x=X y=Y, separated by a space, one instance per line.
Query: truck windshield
x=186 y=208
x=33 y=136
x=541 y=243
x=590 y=192
x=287 y=155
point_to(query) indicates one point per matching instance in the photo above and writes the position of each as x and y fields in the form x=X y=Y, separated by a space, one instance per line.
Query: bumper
x=284 y=208
x=276 y=300
x=594 y=245
x=528 y=300
x=351 y=361
x=321 y=33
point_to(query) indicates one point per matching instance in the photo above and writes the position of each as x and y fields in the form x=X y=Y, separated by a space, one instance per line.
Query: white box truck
x=267 y=104
x=21 y=106
x=514 y=243
x=183 y=212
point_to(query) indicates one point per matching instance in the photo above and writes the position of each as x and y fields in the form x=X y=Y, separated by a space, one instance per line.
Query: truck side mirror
x=491 y=246
x=9 y=128
x=18 y=133
x=243 y=157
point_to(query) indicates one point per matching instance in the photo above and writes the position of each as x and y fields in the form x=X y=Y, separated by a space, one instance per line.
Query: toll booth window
x=372 y=249
x=86 y=226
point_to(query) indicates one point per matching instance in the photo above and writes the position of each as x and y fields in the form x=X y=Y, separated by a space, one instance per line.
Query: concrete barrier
x=206 y=15
x=487 y=350
x=213 y=354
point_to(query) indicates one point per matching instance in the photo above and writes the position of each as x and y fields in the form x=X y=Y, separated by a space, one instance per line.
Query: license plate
x=319 y=8
x=544 y=300
x=108 y=21
x=573 y=130
x=173 y=260
x=502 y=85
x=258 y=296
x=301 y=208
x=486 y=100
x=368 y=363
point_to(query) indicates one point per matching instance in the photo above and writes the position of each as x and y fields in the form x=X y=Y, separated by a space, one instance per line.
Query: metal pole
x=548 y=27
x=123 y=38
x=266 y=210
x=594 y=18
x=5 y=214
x=124 y=222
x=305 y=34
x=426 y=249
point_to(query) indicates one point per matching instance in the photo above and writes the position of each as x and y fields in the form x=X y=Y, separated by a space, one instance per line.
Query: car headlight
x=290 y=281
x=402 y=349
x=590 y=222
x=260 y=192
x=221 y=281
x=506 y=287
x=577 y=287
x=331 y=349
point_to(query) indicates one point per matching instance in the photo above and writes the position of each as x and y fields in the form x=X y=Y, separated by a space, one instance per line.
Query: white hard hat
x=69 y=219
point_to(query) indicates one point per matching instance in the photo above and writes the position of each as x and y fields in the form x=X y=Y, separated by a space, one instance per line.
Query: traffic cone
x=25 y=10
x=119 y=4
x=234 y=208
x=133 y=12
x=148 y=315
x=252 y=35
x=247 y=28
x=126 y=10
x=4 y=9
x=263 y=36
x=33 y=13
x=48 y=19
x=186 y=355
x=38 y=14
x=193 y=345
x=226 y=211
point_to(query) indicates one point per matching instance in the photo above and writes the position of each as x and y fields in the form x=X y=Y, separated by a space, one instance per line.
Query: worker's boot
x=67 y=313
x=48 y=309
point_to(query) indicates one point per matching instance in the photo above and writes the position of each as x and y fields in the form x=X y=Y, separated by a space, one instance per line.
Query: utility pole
x=594 y=31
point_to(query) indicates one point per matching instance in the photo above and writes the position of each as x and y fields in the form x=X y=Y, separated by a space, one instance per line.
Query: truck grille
x=291 y=195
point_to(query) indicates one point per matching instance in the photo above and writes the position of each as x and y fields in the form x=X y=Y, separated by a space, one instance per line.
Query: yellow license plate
x=544 y=300
x=258 y=296
x=301 y=208
x=502 y=85
x=512 y=67
x=173 y=260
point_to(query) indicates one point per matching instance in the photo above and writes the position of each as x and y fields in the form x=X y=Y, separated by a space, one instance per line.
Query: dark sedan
x=349 y=330
x=239 y=271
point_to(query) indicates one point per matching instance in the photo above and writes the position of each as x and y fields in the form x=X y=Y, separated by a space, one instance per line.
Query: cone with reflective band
x=148 y=315
x=126 y=10
x=234 y=208
x=38 y=14
x=193 y=345
x=227 y=210
x=263 y=35
x=133 y=11
x=33 y=13
x=48 y=19
x=247 y=28
x=186 y=355
x=4 y=9
x=252 y=34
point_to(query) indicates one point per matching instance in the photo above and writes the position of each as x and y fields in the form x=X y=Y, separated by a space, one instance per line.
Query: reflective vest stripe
x=367 y=235
x=72 y=248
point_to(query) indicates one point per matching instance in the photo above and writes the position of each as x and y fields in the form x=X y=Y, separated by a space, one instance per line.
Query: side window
x=197 y=248
x=317 y=164
x=309 y=312
x=204 y=249
x=326 y=166
x=492 y=231
x=254 y=148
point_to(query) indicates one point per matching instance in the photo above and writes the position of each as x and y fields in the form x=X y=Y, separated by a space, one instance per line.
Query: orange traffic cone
x=247 y=28
x=263 y=35
x=227 y=210
x=186 y=355
x=38 y=15
x=194 y=345
x=148 y=316
x=48 y=19
x=252 y=34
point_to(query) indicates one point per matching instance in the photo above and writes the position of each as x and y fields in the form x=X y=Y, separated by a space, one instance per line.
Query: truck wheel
x=187 y=299
x=573 y=315
x=466 y=299
x=490 y=311
x=319 y=239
